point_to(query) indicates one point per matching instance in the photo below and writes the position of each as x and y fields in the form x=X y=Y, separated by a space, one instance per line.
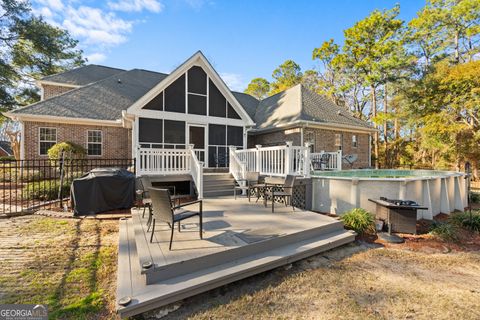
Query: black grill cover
x=103 y=190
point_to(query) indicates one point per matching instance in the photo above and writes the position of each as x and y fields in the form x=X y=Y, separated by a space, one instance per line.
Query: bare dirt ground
x=70 y=264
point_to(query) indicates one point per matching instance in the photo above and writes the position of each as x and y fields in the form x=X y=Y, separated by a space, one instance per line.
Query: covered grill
x=103 y=189
x=398 y=215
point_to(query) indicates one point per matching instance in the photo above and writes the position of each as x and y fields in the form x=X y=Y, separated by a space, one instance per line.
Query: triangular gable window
x=194 y=93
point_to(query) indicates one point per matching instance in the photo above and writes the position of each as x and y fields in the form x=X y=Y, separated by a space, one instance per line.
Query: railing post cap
x=258 y=146
x=289 y=143
x=190 y=146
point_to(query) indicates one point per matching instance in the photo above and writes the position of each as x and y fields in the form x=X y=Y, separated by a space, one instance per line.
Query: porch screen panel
x=217 y=140
x=197 y=104
x=235 y=136
x=150 y=130
x=156 y=103
x=231 y=113
x=197 y=80
x=174 y=134
x=175 y=96
x=217 y=102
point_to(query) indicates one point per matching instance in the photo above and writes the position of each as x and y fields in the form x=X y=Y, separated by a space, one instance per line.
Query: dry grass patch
x=354 y=282
x=69 y=264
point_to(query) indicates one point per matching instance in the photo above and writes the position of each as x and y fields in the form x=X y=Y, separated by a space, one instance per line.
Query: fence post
x=258 y=159
x=307 y=163
x=62 y=168
x=288 y=157
x=339 y=160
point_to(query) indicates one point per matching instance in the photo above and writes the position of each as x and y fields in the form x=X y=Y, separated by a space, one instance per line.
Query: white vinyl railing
x=326 y=160
x=196 y=172
x=277 y=160
x=163 y=161
x=169 y=162
x=236 y=166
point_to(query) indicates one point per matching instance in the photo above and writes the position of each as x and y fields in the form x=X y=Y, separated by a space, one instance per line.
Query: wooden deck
x=240 y=239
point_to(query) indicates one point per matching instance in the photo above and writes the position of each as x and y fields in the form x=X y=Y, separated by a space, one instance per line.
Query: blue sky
x=242 y=39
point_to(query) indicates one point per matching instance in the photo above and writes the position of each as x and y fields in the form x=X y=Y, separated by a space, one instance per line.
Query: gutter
x=64 y=120
x=313 y=124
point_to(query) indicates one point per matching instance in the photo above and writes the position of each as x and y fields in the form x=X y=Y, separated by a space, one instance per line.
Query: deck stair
x=152 y=276
x=217 y=184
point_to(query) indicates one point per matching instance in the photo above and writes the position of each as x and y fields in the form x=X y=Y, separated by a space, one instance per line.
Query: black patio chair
x=143 y=183
x=251 y=183
x=162 y=210
x=286 y=192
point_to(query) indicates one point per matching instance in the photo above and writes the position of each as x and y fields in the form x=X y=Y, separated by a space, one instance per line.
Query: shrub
x=46 y=189
x=359 y=220
x=467 y=221
x=475 y=197
x=444 y=230
x=71 y=151
x=7 y=158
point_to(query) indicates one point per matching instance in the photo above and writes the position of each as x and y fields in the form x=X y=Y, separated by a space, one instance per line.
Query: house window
x=94 y=142
x=354 y=141
x=47 y=138
x=338 y=141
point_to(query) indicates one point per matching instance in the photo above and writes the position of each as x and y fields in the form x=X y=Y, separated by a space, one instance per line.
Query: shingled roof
x=300 y=104
x=103 y=100
x=83 y=75
x=116 y=90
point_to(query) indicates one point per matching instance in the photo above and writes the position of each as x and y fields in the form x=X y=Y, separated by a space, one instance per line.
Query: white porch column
x=231 y=149
x=339 y=160
x=288 y=157
x=258 y=160
x=306 y=160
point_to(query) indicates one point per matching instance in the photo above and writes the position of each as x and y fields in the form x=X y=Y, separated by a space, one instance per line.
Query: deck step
x=174 y=289
x=159 y=272
x=129 y=277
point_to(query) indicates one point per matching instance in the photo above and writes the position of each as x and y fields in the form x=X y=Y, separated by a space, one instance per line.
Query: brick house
x=116 y=113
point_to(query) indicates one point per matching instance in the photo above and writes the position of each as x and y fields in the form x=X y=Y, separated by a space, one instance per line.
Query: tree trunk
x=385 y=127
x=374 y=114
x=475 y=169
x=457 y=49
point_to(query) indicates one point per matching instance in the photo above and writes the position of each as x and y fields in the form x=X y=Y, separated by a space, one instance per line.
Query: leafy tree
x=374 y=50
x=311 y=80
x=337 y=81
x=259 y=88
x=30 y=48
x=287 y=75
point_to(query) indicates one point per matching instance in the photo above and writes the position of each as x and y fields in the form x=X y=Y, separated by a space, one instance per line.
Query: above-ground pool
x=339 y=191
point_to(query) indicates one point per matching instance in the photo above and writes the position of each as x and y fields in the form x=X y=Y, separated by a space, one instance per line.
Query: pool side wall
x=442 y=194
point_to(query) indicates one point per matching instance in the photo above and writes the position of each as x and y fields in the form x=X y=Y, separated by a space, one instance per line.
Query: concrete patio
x=240 y=239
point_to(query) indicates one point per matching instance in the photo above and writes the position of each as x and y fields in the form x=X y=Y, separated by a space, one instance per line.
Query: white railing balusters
x=334 y=160
x=237 y=167
x=196 y=168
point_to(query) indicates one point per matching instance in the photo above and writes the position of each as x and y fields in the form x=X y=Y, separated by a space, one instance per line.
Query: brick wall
x=52 y=91
x=275 y=138
x=116 y=140
x=325 y=140
x=321 y=139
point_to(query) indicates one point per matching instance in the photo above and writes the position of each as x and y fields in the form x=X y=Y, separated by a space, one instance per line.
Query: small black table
x=399 y=218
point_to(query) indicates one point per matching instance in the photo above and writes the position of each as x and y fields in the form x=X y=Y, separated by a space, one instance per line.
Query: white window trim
x=100 y=143
x=39 y=139
x=354 y=141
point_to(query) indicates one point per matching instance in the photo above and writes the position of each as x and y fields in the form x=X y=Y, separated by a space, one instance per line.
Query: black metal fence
x=29 y=185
